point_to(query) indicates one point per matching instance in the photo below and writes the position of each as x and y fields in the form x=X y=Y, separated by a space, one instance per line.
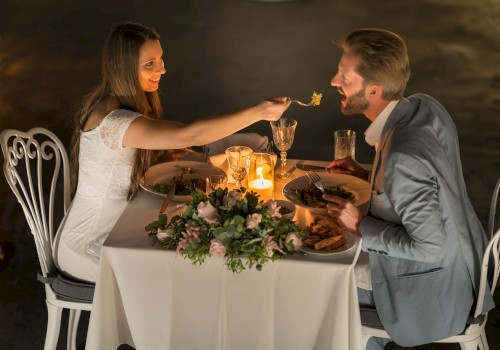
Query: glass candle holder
x=261 y=175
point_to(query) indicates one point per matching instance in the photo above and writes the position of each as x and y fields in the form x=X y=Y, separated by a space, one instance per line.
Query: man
x=423 y=239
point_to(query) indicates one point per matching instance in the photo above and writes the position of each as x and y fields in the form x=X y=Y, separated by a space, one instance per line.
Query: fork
x=302 y=103
x=316 y=180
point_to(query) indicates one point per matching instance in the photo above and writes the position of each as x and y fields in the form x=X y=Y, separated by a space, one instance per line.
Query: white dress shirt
x=374 y=131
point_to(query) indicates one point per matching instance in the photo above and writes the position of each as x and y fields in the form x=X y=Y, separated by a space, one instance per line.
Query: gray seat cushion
x=67 y=288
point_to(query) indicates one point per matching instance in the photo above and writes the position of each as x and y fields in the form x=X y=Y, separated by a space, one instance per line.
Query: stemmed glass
x=283 y=133
x=238 y=159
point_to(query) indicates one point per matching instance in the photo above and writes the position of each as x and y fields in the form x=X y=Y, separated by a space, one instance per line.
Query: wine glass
x=238 y=159
x=283 y=133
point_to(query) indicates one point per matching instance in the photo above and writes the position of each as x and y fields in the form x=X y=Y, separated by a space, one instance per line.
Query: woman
x=115 y=135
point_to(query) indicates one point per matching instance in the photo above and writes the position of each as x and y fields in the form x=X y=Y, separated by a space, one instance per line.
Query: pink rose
x=274 y=209
x=295 y=239
x=231 y=198
x=217 y=249
x=253 y=220
x=270 y=246
x=207 y=212
x=191 y=235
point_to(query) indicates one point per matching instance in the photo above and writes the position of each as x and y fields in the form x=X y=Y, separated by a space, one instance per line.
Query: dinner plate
x=350 y=238
x=361 y=189
x=164 y=172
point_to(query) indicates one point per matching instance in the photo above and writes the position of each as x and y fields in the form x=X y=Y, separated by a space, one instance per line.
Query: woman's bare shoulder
x=99 y=112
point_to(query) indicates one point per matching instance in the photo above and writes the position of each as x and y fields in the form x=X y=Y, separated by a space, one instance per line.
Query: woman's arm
x=148 y=133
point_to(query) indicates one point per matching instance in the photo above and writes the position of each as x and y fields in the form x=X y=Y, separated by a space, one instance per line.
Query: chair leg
x=470 y=345
x=53 y=326
x=483 y=342
x=74 y=318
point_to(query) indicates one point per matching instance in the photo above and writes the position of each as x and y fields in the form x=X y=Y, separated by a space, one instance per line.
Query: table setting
x=241 y=262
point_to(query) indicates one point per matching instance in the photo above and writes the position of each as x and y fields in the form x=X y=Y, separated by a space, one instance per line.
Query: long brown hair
x=119 y=79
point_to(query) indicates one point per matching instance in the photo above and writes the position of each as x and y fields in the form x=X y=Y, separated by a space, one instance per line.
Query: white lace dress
x=103 y=183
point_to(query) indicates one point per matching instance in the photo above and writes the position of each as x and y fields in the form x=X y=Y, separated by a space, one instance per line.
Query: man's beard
x=355 y=104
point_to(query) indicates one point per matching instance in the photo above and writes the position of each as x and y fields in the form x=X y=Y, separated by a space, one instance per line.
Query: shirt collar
x=374 y=131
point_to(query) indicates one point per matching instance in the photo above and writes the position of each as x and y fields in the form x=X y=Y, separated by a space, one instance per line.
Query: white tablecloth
x=152 y=299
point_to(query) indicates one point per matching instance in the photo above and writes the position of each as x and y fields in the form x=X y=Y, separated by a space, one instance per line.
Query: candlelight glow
x=261 y=185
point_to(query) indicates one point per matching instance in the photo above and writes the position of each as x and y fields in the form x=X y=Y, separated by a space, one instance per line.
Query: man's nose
x=335 y=80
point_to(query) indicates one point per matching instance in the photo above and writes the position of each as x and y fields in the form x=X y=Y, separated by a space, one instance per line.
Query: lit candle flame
x=259 y=172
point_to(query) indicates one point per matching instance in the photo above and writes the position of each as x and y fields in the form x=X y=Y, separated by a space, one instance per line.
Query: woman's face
x=151 y=65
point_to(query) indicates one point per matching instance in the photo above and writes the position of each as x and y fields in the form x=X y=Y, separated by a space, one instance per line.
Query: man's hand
x=348 y=166
x=344 y=212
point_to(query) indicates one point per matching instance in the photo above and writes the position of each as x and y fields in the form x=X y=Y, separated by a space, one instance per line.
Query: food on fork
x=316 y=98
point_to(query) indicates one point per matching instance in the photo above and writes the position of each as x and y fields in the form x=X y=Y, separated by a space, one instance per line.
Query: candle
x=262 y=186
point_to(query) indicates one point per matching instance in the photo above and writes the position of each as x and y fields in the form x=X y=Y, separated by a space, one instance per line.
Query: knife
x=307 y=167
x=167 y=200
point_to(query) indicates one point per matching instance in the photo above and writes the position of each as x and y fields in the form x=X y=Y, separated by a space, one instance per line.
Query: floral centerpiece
x=234 y=225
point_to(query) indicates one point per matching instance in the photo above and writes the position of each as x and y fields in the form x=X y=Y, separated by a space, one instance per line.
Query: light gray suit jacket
x=424 y=239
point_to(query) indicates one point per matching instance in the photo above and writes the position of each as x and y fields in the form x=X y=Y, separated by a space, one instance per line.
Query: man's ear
x=375 y=90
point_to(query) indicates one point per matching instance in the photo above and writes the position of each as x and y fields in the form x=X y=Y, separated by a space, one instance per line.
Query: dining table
x=152 y=298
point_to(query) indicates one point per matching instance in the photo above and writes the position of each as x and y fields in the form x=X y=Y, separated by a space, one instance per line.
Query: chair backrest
x=493 y=210
x=34 y=160
x=490 y=264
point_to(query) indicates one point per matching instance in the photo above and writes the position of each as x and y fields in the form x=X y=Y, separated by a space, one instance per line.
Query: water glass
x=214 y=182
x=344 y=143
x=238 y=160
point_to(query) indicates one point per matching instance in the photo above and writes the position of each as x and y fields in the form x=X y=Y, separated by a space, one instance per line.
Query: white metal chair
x=34 y=160
x=493 y=210
x=474 y=335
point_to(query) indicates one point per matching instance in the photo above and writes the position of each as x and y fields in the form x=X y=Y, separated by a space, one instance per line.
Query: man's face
x=350 y=86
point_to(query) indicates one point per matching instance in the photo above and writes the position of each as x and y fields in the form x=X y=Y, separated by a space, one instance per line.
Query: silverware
x=302 y=103
x=307 y=167
x=316 y=180
x=167 y=200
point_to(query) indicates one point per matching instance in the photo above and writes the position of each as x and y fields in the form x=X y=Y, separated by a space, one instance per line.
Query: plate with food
x=304 y=193
x=326 y=237
x=181 y=175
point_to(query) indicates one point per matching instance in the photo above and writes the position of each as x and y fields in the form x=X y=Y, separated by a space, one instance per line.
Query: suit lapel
x=392 y=120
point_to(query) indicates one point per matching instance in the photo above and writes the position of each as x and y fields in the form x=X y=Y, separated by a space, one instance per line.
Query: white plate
x=360 y=187
x=350 y=238
x=164 y=172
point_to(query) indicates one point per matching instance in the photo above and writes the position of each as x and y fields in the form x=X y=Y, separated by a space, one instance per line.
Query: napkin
x=256 y=142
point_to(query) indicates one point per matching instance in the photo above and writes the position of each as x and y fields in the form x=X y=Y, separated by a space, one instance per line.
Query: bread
x=331 y=243
x=324 y=234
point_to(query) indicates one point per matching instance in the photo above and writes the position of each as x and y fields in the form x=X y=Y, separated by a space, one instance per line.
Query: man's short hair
x=383 y=59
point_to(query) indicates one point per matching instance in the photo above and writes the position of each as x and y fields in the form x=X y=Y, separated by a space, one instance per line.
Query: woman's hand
x=273 y=108
x=348 y=166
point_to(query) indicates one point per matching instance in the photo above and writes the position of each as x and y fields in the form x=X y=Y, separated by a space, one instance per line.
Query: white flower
x=207 y=212
x=269 y=251
x=217 y=249
x=168 y=232
x=295 y=239
x=231 y=198
x=253 y=220
x=274 y=209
